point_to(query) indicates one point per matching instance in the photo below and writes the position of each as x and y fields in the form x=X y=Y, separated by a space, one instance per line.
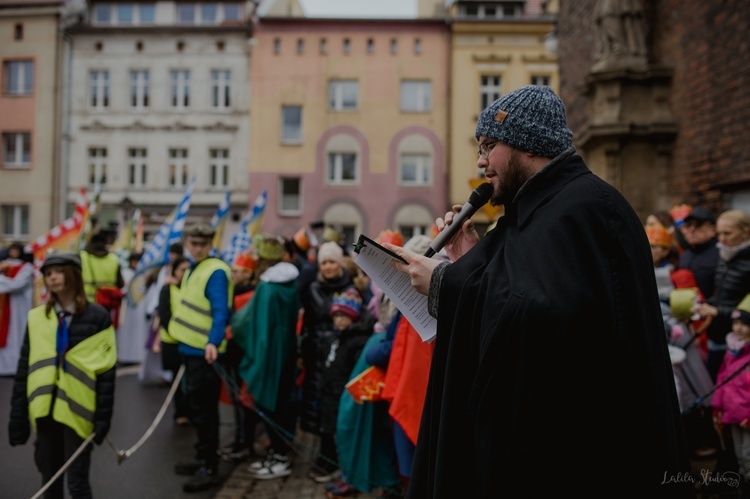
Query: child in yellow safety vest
x=64 y=385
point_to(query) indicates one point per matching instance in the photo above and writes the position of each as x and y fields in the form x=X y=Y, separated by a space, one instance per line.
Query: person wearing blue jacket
x=199 y=324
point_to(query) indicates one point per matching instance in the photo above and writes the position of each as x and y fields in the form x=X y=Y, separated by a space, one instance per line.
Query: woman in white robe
x=16 y=286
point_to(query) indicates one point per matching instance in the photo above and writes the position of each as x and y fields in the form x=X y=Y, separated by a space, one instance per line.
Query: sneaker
x=234 y=453
x=322 y=476
x=189 y=468
x=275 y=466
x=182 y=421
x=203 y=479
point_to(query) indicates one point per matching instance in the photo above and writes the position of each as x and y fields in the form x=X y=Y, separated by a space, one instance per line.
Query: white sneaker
x=275 y=466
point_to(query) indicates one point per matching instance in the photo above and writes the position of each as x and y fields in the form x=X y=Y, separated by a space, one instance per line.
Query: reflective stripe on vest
x=75 y=396
x=98 y=272
x=191 y=320
x=174 y=300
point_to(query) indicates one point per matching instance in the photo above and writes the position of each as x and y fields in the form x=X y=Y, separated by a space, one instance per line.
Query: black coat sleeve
x=105 y=396
x=165 y=307
x=19 y=427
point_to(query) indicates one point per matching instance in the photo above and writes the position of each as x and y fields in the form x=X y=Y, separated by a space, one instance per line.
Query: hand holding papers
x=376 y=261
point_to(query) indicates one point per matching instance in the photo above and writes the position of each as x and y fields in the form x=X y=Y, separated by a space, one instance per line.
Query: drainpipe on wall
x=65 y=138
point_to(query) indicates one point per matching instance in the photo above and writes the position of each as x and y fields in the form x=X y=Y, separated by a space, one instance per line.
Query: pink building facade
x=349 y=123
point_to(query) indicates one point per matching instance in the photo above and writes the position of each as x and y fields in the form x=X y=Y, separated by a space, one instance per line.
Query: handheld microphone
x=478 y=198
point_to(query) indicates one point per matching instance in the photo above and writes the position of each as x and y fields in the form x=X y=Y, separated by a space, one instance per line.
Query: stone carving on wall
x=620 y=42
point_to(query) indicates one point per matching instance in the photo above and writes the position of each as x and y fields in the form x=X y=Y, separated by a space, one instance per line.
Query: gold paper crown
x=268 y=246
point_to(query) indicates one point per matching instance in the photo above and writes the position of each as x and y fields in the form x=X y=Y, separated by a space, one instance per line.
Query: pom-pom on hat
x=61 y=258
x=390 y=237
x=348 y=302
x=245 y=261
x=531 y=118
x=330 y=251
x=742 y=312
x=679 y=213
x=301 y=240
x=268 y=246
x=659 y=236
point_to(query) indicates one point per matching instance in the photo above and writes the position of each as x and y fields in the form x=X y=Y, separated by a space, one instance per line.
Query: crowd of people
x=571 y=326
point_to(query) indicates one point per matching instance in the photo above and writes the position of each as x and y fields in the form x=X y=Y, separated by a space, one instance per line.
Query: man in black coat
x=551 y=369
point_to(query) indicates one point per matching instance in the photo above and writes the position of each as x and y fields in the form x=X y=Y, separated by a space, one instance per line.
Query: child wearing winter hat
x=352 y=326
x=731 y=400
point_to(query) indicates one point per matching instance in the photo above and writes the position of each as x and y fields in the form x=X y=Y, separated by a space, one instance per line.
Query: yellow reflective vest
x=73 y=389
x=98 y=272
x=191 y=319
x=174 y=300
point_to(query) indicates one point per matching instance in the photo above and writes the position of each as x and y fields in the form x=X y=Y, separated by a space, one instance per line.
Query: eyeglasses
x=485 y=148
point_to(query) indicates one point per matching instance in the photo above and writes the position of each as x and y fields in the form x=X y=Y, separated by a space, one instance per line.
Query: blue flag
x=250 y=225
x=157 y=252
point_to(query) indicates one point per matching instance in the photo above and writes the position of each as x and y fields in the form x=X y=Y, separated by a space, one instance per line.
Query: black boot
x=188 y=468
x=203 y=479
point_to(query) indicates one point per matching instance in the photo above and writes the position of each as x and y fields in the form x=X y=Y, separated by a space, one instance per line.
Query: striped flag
x=91 y=214
x=63 y=237
x=218 y=222
x=138 y=223
x=157 y=253
x=249 y=226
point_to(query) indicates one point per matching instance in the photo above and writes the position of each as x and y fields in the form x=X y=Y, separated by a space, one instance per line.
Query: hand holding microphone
x=479 y=197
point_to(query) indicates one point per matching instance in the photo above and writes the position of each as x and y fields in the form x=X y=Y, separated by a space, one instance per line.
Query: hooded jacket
x=550 y=343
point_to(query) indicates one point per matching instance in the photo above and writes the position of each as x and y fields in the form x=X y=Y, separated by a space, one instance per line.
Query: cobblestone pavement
x=241 y=484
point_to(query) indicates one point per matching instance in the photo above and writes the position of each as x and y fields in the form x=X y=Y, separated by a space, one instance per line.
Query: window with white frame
x=409 y=231
x=17 y=150
x=123 y=13
x=323 y=46
x=146 y=13
x=139 y=89
x=208 y=13
x=291 y=124
x=97 y=166
x=99 y=89
x=137 y=167
x=186 y=13
x=232 y=11
x=417 y=46
x=219 y=168
x=416 y=169
x=416 y=96
x=277 y=46
x=300 y=46
x=178 y=168
x=540 y=80
x=15 y=221
x=221 y=89
x=179 y=88
x=394 y=46
x=102 y=13
x=342 y=168
x=343 y=95
x=347 y=46
x=489 y=90
x=19 y=77
x=290 y=196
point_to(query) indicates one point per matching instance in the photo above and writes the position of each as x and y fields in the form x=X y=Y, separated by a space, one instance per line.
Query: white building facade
x=158 y=93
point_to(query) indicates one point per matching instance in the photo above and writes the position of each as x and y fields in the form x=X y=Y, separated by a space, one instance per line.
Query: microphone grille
x=481 y=195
